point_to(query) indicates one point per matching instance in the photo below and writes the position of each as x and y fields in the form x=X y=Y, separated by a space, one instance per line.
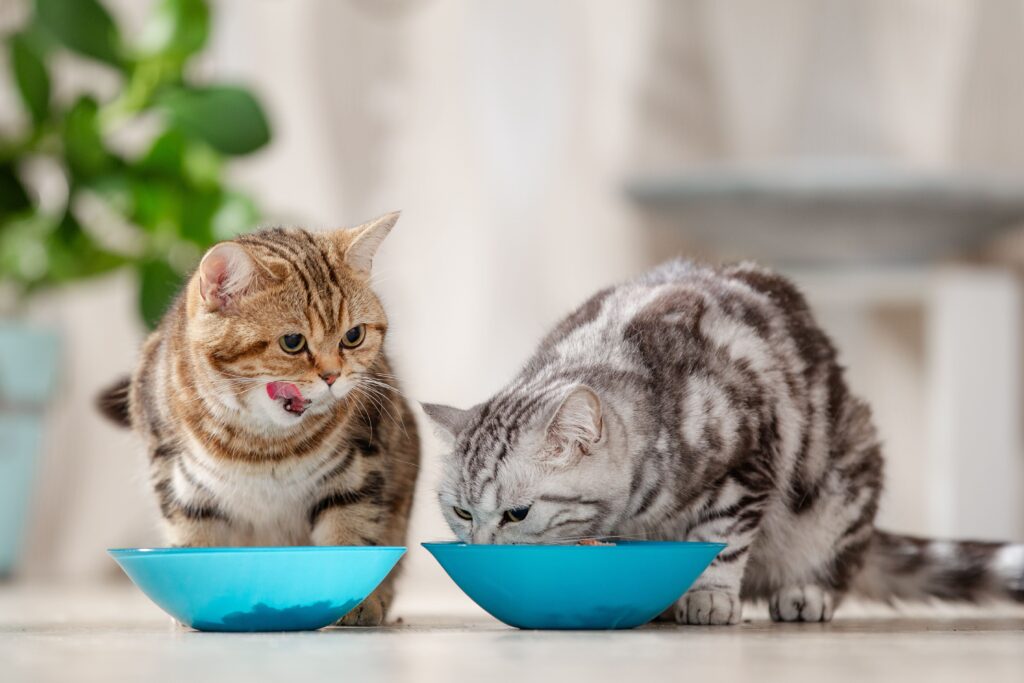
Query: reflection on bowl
x=575 y=587
x=258 y=589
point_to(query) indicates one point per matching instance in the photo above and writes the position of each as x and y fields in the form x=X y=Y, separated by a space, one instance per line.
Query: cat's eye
x=354 y=337
x=515 y=515
x=462 y=512
x=292 y=343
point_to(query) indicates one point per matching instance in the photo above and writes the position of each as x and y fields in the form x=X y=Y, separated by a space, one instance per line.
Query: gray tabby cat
x=702 y=404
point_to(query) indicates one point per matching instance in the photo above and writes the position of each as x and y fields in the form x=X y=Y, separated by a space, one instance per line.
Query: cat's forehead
x=493 y=464
x=310 y=280
x=485 y=433
x=495 y=483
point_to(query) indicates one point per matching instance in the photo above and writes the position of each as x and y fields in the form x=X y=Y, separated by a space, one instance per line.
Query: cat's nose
x=482 y=536
x=329 y=377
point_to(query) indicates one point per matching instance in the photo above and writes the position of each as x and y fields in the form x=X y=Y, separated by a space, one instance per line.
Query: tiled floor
x=114 y=634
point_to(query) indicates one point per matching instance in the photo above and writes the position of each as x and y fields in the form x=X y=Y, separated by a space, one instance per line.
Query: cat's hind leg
x=804 y=561
x=802 y=603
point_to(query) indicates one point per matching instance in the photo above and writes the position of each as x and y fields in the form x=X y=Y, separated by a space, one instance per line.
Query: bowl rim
x=260 y=550
x=482 y=547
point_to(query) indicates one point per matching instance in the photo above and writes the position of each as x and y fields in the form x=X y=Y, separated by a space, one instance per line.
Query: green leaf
x=39 y=251
x=209 y=217
x=158 y=285
x=83 y=26
x=31 y=77
x=76 y=257
x=13 y=197
x=116 y=191
x=177 y=28
x=187 y=161
x=166 y=154
x=228 y=118
x=156 y=205
x=197 y=217
x=202 y=165
x=83 y=144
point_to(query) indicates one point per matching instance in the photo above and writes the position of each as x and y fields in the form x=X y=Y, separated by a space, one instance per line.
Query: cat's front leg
x=198 y=533
x=191 y=518
x=734 y=519
x=350 y=520
x=714 y=600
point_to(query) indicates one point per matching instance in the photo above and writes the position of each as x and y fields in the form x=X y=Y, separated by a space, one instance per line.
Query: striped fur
x=230 y=466
x=702 y=404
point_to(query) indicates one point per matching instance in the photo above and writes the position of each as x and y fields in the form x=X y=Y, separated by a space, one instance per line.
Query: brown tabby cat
x=267 y=403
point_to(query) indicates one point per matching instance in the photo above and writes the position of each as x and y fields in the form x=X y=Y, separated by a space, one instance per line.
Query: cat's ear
x=577 y=425
x=448 y=420
x=225 y=272
x=364 y=240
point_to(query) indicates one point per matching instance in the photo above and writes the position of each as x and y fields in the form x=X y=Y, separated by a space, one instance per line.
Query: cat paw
x=370 y=612
x=801 y=603
x=713 y=608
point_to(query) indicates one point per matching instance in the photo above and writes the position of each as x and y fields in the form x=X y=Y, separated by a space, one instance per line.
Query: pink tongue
x=287 y=390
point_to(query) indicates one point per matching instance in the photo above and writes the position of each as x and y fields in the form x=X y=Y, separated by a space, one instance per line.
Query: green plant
x=155 y=207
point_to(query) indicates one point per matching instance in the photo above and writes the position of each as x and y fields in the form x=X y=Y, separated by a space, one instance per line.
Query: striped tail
x=113 y=402
x=918 y=569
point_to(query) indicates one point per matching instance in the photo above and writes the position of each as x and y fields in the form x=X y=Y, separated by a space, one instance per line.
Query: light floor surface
x=114 y=634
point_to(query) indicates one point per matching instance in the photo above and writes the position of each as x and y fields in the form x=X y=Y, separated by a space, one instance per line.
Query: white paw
x=801 y=603
x=713 y=608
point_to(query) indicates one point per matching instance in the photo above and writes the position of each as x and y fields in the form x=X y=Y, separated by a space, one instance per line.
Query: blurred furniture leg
x=976 y=467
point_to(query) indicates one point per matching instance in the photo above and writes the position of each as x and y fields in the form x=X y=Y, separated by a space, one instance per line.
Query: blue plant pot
x=28 y=368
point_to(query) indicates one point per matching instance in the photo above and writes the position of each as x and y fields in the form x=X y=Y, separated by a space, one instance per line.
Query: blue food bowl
x=258 y=589
x=575 y=587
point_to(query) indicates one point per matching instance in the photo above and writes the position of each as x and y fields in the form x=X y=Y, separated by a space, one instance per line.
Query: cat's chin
x=280 y=417
x=283 y=413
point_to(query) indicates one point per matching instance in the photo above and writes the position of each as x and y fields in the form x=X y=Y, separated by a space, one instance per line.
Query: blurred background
x=873 y=149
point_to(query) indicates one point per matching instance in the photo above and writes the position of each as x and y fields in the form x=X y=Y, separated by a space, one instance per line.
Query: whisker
x=561 y=540
x=381 y=403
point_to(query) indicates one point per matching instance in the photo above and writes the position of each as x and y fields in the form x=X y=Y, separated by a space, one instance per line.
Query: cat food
x=593 y=541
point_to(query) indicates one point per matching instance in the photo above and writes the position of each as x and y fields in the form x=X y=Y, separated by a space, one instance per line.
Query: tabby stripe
x=866 y=517
x=371 y=491
x=323 y=269
x=189 y=476
x=366 y=446
x=650 y=496
x=220 y=358
x=164 y=451
x=283 y=252
x=578 y=500
x=203 y=512
x=328 y=264
x=481 y=486
x=746 y=501
x=732 y=555
x=262 y=450
x=346 y=462
x=169 y=504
